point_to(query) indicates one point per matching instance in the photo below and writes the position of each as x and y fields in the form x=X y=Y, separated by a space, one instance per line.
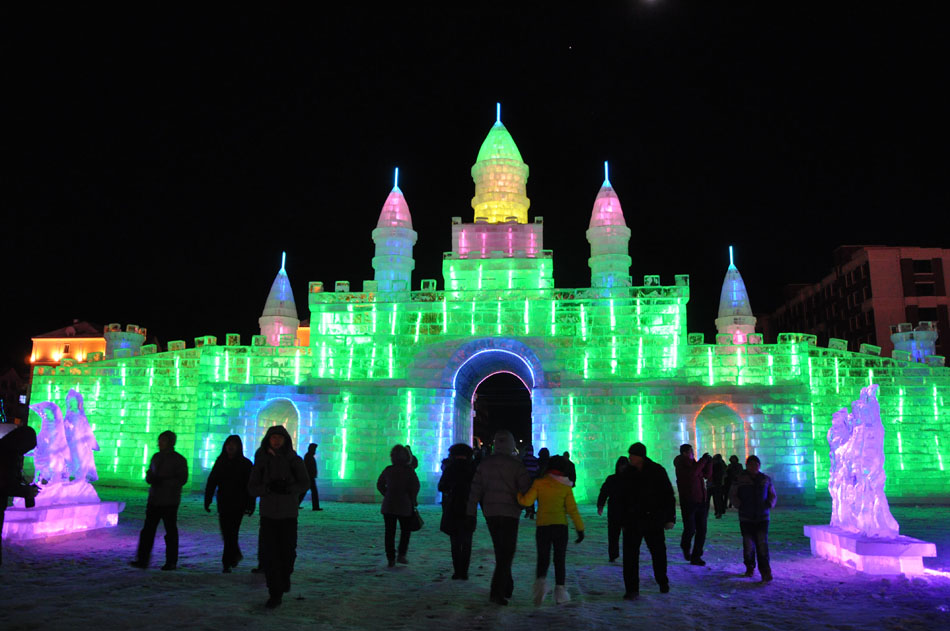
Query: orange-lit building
x=75 y=341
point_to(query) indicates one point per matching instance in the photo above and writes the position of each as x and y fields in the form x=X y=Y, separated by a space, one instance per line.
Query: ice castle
x=605 y=365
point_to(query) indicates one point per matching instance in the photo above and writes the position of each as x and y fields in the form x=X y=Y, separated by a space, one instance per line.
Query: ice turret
x=280 y=310
x=394 y=238
x=735 y=312
x=500 y=177
x=609 y=239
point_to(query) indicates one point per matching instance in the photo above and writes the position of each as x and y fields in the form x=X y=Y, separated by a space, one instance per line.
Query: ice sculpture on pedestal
x=64 y=468
x=863 y=534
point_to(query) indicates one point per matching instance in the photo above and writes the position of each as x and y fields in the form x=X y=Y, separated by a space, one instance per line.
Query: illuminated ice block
x=863 y=534
x=64 y=467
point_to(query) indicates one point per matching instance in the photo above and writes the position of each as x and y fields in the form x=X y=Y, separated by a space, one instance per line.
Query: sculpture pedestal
x=900 y=555
x=21 y=524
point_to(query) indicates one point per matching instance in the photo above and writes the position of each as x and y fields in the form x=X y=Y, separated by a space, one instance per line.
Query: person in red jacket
x=691 y=476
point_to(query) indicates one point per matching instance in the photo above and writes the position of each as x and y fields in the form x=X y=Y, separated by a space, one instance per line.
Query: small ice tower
x=609 y=239
x=735 y=312
x=394 y=238
x=280 y=310
x=501 y=178
x=919 y=342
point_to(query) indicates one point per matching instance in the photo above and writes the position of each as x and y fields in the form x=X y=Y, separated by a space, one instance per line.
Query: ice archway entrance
x=720 y=430
x=481 y=361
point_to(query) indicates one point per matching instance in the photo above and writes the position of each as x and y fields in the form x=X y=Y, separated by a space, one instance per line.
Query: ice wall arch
x=719 y=429
x=278 y=411
x=476 y=360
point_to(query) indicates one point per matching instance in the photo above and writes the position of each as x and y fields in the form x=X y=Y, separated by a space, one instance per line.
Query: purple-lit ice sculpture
x=64 y=468
x=856 y=478
x=863 y=534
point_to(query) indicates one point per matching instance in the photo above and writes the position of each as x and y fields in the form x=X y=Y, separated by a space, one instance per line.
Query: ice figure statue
x=65 y=466
x=856 y=480
x=63 y=457
x=79 y=437
x=863 y=534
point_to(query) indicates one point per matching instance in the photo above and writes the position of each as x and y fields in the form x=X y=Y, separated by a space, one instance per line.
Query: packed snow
x=342 y=582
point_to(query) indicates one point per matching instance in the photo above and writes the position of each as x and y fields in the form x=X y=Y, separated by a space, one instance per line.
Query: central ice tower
x=500 y=249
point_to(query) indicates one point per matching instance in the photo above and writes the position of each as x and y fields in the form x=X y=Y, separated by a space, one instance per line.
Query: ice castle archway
x=719 y=429
x=279 y=411
x=477 y=360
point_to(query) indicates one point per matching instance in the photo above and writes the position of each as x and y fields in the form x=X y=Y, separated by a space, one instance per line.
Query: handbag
x=415 y=520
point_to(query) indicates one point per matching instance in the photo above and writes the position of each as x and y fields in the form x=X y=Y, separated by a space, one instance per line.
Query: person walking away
x=455 y=485
x=278 y=478
x=530 y=463
x=399 y=486
x=495 y=486
x=15 y=440
x=716 y=484
x=228 y=481
x=754 y=496
x=571 y=471
x=310 y=462
x=649 y=508
x=610 y=496
x=691 y=476
x=167 y=474
x=544 y=457
x=732 y=472
x=555 y=502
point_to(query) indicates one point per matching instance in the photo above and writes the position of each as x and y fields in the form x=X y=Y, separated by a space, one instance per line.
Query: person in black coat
x=15 y=440
x=455 y=484
x=167 y=474
x=649 y=508
x=399 y=486
x=610 y=495
x=278 y=477
x=229 y=477
x=310 y=462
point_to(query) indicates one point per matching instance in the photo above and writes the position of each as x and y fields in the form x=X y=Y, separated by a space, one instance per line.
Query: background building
x=870 y=289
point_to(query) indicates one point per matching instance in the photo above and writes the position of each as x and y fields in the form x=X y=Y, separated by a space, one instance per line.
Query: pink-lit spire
x=607 y=210
x=395 y=212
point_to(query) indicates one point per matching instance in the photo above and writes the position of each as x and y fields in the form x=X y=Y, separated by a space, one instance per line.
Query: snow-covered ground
x=342 y=582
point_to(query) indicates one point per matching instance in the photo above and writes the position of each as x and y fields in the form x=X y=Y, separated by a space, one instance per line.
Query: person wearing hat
x=555 y=502
x=167 y=474
x=649 y=508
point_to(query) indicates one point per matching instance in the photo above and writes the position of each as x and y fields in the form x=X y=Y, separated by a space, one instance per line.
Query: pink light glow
x=395 y=212
x=607 y=210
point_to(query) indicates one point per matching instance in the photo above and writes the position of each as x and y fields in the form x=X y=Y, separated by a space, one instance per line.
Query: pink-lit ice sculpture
x=64 y=466
x=863 y=534
x=856 y=478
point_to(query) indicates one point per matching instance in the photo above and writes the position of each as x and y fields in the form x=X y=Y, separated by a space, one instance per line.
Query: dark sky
x=161 y=163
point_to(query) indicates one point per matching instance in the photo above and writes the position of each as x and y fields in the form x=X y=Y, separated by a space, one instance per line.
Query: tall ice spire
x=280 y=310
x=394 y=238
x=500 y=177
x=609 y=239
x=735 y=312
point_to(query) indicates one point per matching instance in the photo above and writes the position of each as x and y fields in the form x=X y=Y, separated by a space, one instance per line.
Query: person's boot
x=560 y=595
x=402 y=559
x=766 y=574
x=749 y=571
x=274 y=601
x=539 y=590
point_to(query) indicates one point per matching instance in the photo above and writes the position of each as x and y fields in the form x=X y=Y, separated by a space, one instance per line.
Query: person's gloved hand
x=207 y=508
x=600 y=510
x=580 y=536
x=278 y=486
x=668 y=525
x=249 y=512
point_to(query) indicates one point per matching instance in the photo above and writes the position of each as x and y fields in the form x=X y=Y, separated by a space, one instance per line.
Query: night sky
x=159 y=164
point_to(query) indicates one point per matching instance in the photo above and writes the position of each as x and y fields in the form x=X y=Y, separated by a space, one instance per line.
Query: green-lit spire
x=499 y=144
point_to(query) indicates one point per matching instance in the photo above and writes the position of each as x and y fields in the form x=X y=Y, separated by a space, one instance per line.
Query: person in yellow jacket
x=555 y=502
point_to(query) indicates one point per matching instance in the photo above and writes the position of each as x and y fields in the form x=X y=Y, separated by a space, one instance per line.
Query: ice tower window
x=65 y=349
